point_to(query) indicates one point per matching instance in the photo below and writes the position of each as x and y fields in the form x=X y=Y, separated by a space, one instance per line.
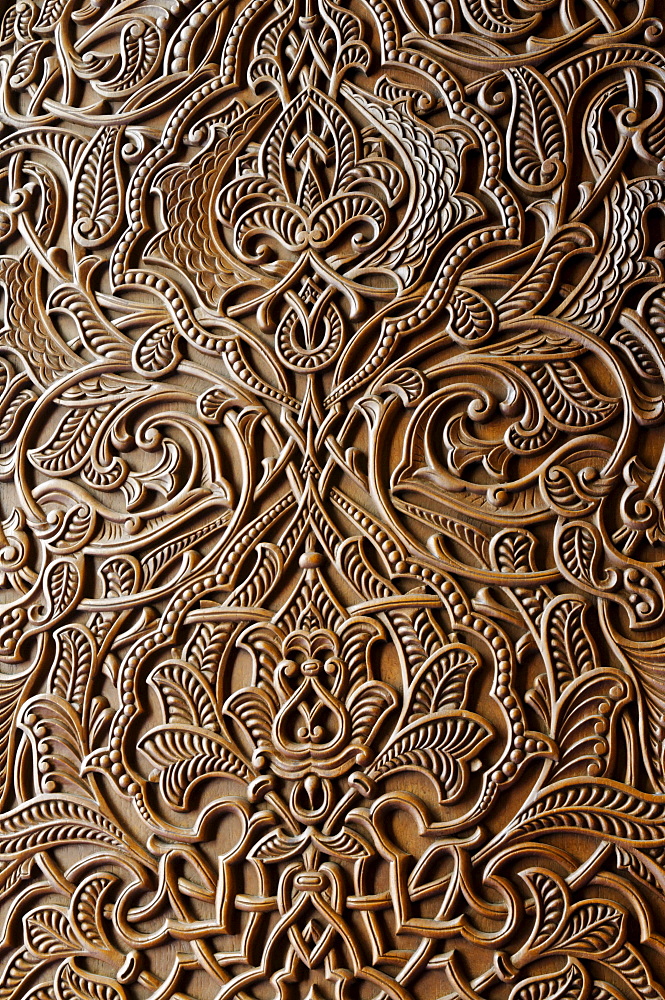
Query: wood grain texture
x=332 y=525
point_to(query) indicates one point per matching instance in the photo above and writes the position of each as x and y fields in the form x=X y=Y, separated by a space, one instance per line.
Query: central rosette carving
x=317 y=714
x=306 y=214
x=312 y=183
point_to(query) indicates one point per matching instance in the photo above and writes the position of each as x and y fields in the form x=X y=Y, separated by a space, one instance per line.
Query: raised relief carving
x=332 y=396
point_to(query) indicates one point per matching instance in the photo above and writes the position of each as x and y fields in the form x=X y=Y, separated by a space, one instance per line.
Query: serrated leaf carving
x=536 y=132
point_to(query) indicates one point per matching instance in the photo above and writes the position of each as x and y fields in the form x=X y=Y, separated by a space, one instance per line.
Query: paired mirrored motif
x=332 y=426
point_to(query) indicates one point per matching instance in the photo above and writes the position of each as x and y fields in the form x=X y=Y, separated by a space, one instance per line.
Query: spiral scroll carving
x=332 y=517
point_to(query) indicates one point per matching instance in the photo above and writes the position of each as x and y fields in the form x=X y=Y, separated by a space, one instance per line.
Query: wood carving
x=332 y=449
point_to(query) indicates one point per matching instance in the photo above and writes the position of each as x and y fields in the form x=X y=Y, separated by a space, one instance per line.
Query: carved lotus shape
x=318 y=710
x=309 y=185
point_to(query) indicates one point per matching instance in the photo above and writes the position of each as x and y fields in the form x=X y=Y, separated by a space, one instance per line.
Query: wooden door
x=332 y=426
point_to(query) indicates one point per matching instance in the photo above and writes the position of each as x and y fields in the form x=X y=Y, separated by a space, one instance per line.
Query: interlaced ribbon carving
x=332 y=409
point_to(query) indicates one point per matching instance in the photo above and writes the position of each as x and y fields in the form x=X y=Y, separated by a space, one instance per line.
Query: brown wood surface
x=332 y=426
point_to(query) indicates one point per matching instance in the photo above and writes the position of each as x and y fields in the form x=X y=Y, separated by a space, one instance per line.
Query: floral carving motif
x=332 y=395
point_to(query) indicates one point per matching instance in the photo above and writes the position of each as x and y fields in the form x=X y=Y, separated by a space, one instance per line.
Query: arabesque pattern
x=332 y=443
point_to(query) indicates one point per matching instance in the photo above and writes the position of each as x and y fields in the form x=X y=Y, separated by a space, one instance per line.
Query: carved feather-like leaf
x=26 y=65
x=276 y=846
x=54 y=727
x=48 y=933
x=183 y=756
x=440 y=745
x=120 y=576
x=71 y=983
x=49 y=15
x=436 y=209
x=206 y=647
x=536 y=131
x=642 y=866
x=157 y=352
x=186 y=696
x=551 y=897
x=141 y=42
x=640 y=353
x=473 y=318
x=598 y=808
x=255 y=712
x=442 y=681
x=593 y=928
x=12 y=873
x=567 y=639
x=535 y=288
x=72 y=667
x=590 y=928
x=12 y=692
x=368 y=706
x=570 y=984
x=8 y=25
x=647 y=663
x=357 y=636
x=18 y=967
x=62 y=583
x=45 y=821
x=87 y=910
x=512 y=551
x=99 y=335
x=97 y=190
x=578 y=551
x=345 y=844
x=69 y=446
x=407 y=383
x=587 y=716
x=622 y=258
x=568 y=396
x=215 y=402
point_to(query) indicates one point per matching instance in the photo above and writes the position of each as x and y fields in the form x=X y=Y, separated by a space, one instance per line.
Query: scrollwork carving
x=332 y=395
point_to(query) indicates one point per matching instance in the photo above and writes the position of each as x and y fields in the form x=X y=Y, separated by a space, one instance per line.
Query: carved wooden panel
x=332 y=449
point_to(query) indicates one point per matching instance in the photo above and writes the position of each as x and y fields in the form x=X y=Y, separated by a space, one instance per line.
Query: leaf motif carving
x=48 y=933
x=572 y=983
x=441 y=746
x=44 y=821
x=536 y=131
x=13 y=690
x=87 y=910
x=69 y=447
x=157 y=352
x=592 y=929
x=473 y=318
x=568 y=396
x=579 y=552
x=640 y=353
x=74 y=984
x=185 y=695
x=601 y=809
x=568 y=640
x=512 y=551
x=70 y=674
x=586 y=720
x=26 y=65
x=97 y=190
x=183 y=756
x=442 y=681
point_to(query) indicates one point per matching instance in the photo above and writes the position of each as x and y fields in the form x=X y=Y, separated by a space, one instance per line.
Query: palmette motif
x=332 y=395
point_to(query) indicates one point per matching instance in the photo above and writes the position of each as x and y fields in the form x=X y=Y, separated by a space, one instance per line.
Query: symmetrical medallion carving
x=332 y=436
